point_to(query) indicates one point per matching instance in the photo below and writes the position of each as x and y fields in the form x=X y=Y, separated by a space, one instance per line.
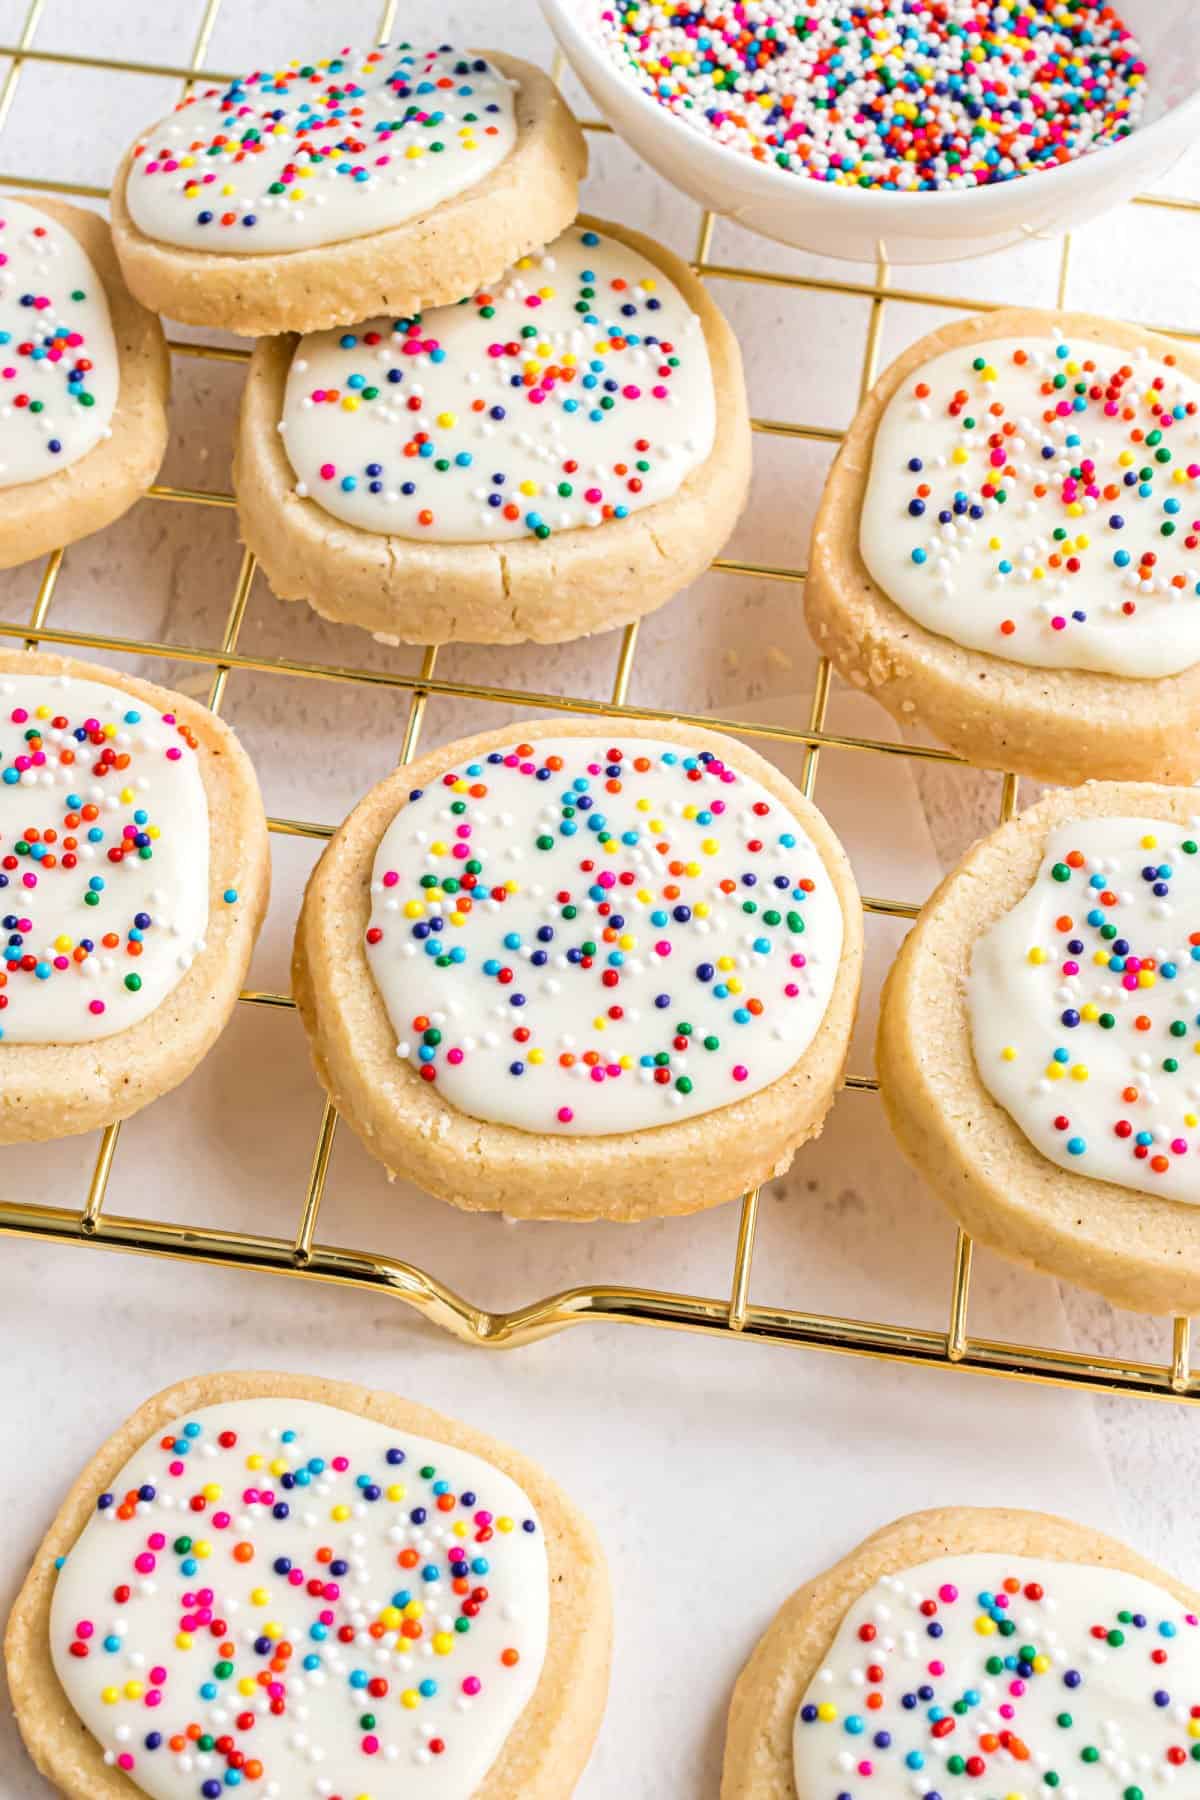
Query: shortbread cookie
x=84 y=377
x=582 y=969
x=134 y=876
x=972 y=1651
x=314 y=1590
x=1008 y=549
x=557 y=456
x=1038 y=1035
x=372 y=180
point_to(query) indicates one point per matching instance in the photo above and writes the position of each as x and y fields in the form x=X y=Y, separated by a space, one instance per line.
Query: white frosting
x=1102 y=1710
x=626 y=948
x=574 y=390
x=361 y=1546
x=1055 y=575
x=59 y=372
x=286 y=159
x=1093 y=1050
x=134 y=837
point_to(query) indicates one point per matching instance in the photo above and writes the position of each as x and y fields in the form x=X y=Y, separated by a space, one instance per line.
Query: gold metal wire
x=306 y=1257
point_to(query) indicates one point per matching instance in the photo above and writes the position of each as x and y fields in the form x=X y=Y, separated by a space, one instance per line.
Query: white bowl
x=862 y=224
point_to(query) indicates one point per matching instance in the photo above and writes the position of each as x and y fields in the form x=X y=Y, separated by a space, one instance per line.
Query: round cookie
x=508 y=1703
x=238 y=232
x=1048 y=631
x=620 y=1030
x=134 y=876
x=927 y=1603
x=84 y=378
x=461 y=490
x=1077 y=1049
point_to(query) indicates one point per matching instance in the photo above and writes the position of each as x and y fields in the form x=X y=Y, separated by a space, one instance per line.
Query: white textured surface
x=636 y=1424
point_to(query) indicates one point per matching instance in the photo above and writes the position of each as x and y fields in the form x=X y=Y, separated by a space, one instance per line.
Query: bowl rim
x=728 y=164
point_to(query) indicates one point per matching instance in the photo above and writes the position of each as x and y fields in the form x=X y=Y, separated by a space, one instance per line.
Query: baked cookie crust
x=58 y=1090
x=482 y=1167
x=758 y=1745
x=38 y=516
x=1059 y=725
x=588 y=579
x=430 y=260
x=547 y=1749
x=1139 y=1251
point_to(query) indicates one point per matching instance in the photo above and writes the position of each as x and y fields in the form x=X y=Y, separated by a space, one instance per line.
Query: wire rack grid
x=303 y=1256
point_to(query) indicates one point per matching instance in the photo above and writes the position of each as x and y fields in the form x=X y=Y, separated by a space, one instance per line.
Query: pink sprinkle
x=125 y=1761
x=1058 y=622
x=866 y=1768
x=174 y=753
x=327 y=471
x=158 y=1675
x=454 y=1056
x=937 y=1668
x=154 y=1697
x=565 y=1113
x=662 y=948
x=96 y=1006
x=370 y=1744
x=84 y=1629
x=1179 y=1146
x=472 y=1685
x=391 y=878
x=740 y=1072
x=948 y=1592
x=341 y=1464
x=1007 y=1711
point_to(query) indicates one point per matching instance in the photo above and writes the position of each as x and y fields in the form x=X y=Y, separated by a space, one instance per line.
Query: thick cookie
x=967 y=1651
x=559 y=456
x=1037 y=1038
x=84 y=377
x=1008 y=548
x=394 y=1599
x=134 y=875
x=374 y=180
x=582 y=969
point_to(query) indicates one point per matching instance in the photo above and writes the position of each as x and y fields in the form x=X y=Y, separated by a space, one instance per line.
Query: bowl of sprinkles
x=916 y=130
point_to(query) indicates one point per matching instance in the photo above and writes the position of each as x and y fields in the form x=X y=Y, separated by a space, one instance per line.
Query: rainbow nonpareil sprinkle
x=925 y=95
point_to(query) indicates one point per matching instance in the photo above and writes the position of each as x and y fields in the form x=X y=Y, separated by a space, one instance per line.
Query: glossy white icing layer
x=1039 y=498
x=574 y=390
x=585 y=938
x=997 y=1675
x=59 y=372
x=318 y=152
x=104 y=859
x=1085 y=1005
x=351 y=1609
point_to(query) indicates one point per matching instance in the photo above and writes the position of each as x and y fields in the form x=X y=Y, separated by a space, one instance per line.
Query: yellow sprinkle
x=443 y=1642
x=410 y=1698
x=710 y=846
x=1055 y=1071
x=460 y=787
x=1125 y=458
x=526 y=262
x=734 y=985
x=457 y=918
x=1079 y=1072
x=63 y=943
x=504 y=1524
x=392 y=1618
x=702 y=909
x=537 y=1056
x=1146 y=978
x=134 y=1690
x=279 y=1466
x=1040 y=1664
x=413 y=151
x=413 y=909
x=460 y=1529
x=530 y=487
x=1083 y=542
x=1008 y=1053
x=396 y=1493
x=340 y=1514
x=447 y=419
x=692 y=868
x=350 y=402
x=1149 y=842
x=627 y=940
x=1191 y=1119
x=110 y=1696
x=827 y=1711
x=959 y=455
x=260 y=1597
x=600 y=1023
x=273 y=1630
x=212 y=1491
x=725 y=962
x=1100 y=957
x=203 y=1549
x=1037 y=954
x=247 y=1686
x=183 y=1640
x=994 y=544
x=626 y=1061
x=984 y=1626
x=1039 y=574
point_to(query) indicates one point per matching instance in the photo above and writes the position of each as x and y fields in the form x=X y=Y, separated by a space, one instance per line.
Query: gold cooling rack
x=733 y=1315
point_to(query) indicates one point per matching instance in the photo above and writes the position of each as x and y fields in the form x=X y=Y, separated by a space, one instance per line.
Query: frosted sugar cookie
x=968 y=1651
x=134 y=875
x=1008 y=549
x=1038 y=1039
x=309 y=1589
x=383 y=178
x=559 y=455
x=84 y=376
x=582 y=969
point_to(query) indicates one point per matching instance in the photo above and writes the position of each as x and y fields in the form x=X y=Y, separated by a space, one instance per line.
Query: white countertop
x=720 y=1476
